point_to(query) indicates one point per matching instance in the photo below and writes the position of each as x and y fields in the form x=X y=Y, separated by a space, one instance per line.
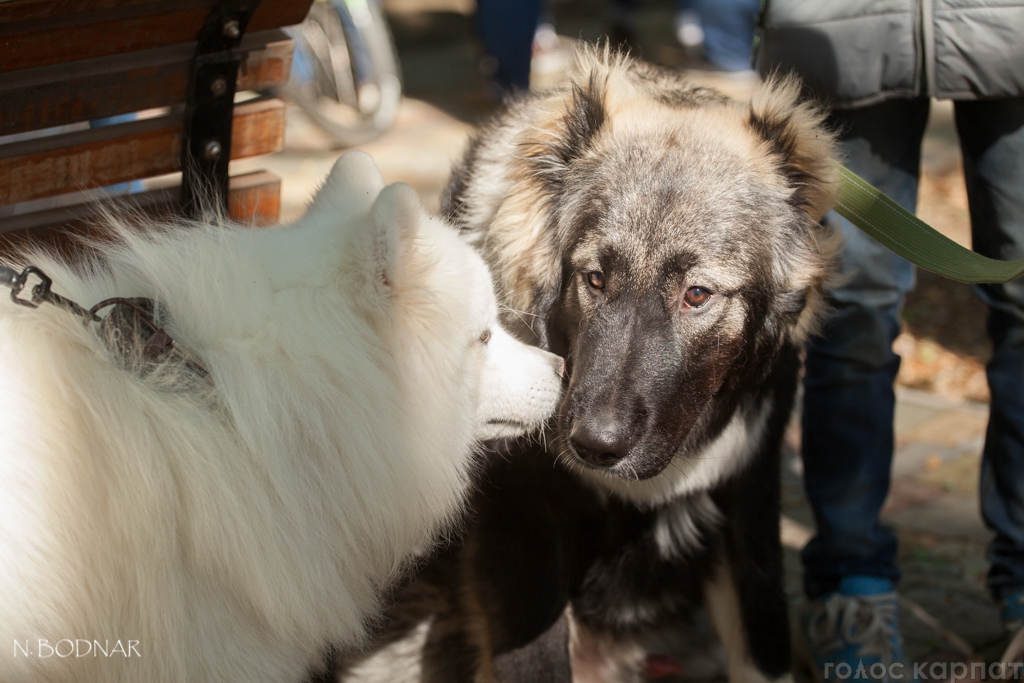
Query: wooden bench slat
x=115 y=31
x=25 y=10
x=100 y=39
x=258 y=128
x=253 y=199
x=105 y=156
x=270 y=14
x=66 y=93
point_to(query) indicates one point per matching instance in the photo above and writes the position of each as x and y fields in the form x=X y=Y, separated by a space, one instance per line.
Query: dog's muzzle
x=599 y=440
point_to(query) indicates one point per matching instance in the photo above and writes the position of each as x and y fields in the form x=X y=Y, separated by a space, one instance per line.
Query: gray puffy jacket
x=857 y=52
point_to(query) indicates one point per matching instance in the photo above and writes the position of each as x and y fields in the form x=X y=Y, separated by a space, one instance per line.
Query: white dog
x=158 y=526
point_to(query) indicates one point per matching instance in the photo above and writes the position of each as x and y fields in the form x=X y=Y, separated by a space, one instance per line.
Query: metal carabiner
x=17 y=282
x=40 y=292
x=9 y=277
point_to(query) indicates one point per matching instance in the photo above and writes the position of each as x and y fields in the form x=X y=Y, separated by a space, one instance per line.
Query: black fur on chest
x=542 y=539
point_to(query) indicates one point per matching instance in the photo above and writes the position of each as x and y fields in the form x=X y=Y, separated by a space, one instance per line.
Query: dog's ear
x=523 y=243
x=393 y=227
x=332 y=223
x=562 y=133
x=794 y=133
x=350 y=188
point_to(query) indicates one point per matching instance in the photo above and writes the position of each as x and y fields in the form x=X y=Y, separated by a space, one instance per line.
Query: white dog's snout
x=553 y=361
x=520 y=387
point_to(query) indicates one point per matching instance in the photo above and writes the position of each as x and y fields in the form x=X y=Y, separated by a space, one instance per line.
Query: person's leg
x=992 y=139
x=729 y=32
x=850 y=619
x=848 y=387
x=506 y=28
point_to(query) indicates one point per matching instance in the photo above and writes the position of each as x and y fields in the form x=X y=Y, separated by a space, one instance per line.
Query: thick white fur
x=231 y=531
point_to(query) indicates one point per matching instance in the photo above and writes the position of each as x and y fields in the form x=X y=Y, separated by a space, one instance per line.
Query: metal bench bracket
x=206 y=125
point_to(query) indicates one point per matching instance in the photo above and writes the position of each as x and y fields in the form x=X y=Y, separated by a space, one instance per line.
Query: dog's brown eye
x=595 y=279
x=485 y=337
x=695 y=297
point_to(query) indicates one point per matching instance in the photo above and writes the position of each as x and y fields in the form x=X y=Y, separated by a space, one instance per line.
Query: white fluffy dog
x=160 y=527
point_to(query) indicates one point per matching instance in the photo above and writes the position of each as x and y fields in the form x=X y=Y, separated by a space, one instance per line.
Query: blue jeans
x=506 y=28
x=849 y=401
x=729 y=32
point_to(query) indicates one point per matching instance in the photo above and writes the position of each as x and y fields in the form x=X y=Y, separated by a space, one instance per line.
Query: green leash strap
x=879 y=216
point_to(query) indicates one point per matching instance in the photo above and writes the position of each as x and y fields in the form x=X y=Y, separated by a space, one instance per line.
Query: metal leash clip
x=130 y=330
x=41 y=292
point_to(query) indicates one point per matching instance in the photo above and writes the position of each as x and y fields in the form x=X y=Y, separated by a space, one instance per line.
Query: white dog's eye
x=485 y=336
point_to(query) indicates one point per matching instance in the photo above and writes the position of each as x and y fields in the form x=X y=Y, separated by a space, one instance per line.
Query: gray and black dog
x=667 y=242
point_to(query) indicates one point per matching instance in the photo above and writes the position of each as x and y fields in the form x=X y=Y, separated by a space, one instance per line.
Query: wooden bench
x=173 y=66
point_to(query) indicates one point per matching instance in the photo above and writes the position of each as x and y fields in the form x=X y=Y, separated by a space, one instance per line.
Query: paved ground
x=933 y=505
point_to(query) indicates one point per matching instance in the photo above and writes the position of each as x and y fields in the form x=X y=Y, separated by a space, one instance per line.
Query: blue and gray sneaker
x=854 y=634
x=1012 y=611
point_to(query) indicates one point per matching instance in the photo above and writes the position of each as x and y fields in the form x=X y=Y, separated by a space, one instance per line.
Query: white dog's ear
x=395 y=219
x=350 y=188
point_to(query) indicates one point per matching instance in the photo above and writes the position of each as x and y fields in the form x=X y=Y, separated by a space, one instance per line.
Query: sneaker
x=1012 y=611
x=854 y=634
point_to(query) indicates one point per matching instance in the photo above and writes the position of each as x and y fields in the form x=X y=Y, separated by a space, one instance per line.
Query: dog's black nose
x=599 y=443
